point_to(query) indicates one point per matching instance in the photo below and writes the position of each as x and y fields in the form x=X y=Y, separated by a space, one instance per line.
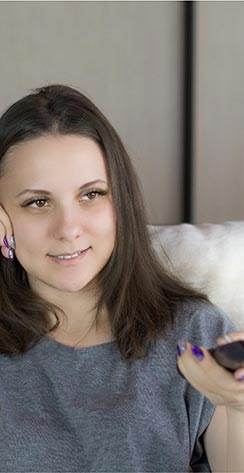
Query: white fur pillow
x=210 y=257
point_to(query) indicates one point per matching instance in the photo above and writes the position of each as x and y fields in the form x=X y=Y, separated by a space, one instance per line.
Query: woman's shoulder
x=200 y=322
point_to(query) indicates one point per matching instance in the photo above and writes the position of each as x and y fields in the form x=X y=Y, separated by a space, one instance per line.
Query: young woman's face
x=62 y=219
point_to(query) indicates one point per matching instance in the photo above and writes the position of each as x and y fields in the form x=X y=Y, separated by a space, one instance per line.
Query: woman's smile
x=69 y=260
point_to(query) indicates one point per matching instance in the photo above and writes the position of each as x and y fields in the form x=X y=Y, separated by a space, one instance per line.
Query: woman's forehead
x=56 y=153
x=54 y=164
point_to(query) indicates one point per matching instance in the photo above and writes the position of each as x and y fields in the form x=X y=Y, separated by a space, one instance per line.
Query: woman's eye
x=35 y=202
x=92 y=195
x=89 y=196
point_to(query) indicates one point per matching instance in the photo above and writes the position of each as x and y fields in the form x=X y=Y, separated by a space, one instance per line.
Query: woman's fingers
x=207 y=376
x=239 y=374
x=230 y=337
x=5 y=231
x=4 y=250
x=203 y=369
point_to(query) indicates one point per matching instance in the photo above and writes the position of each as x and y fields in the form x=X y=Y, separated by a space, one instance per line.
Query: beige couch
x=210 y=257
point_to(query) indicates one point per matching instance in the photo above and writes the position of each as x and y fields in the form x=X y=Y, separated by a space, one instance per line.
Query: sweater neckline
x=48 y=346
x=64 y=346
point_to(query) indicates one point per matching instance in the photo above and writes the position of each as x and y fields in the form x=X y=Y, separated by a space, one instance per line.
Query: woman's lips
x=69 y=261
x=68 y=254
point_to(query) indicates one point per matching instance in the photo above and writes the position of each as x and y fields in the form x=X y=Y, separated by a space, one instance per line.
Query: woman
x=90 y=319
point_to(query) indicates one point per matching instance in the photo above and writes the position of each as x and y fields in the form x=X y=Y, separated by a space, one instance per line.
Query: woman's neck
x=83 y=331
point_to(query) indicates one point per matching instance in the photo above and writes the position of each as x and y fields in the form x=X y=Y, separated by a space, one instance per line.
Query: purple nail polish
x=181 y=347
x=197 y=352
x=12 y=242
x=11 y=254
x=241 y=378
x=5 y=241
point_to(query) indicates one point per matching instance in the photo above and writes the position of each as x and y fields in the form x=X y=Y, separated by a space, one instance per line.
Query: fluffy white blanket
x=210 y=257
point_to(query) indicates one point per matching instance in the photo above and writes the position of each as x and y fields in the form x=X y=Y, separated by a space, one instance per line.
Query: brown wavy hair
x=141 y=296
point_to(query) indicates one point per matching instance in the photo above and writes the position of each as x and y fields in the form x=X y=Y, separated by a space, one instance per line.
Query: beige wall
x=219 y=111
x=127 y=57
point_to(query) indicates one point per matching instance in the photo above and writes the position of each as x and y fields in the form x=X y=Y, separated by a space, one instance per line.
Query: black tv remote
x=230 y=356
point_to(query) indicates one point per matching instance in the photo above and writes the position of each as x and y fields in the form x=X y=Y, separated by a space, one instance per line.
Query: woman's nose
x=68 y=224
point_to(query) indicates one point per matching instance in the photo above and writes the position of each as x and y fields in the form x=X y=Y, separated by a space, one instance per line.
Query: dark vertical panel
x=188 y=118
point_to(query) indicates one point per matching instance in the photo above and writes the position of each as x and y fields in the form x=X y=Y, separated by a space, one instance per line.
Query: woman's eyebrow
x=42 y=191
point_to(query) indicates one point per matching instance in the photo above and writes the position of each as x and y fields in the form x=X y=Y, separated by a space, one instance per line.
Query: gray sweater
x=86 y=410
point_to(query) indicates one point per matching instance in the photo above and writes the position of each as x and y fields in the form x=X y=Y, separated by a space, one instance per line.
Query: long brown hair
x=141 y=296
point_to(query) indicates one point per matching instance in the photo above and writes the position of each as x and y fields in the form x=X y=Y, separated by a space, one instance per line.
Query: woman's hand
x=5 y=231
x=219 y=385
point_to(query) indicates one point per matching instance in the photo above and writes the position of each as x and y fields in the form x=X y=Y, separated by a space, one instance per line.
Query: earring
x=12 y=248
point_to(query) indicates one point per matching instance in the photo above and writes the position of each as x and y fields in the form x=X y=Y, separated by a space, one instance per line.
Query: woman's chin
x=71 y=287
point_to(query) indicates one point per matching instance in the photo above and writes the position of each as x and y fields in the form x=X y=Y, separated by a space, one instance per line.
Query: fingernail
x=197 y=352
x=241 y=378
x=11 y=254
x=5 y=241
x=12 y=242
x=227 y=338
x=181 y=347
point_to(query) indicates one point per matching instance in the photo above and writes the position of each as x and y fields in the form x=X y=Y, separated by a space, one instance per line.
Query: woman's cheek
x=29 y=237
